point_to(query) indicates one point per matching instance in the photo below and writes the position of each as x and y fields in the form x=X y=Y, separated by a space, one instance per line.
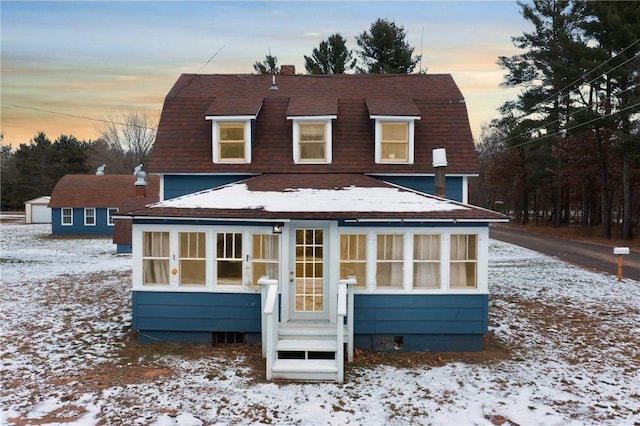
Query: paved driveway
x=587 y=255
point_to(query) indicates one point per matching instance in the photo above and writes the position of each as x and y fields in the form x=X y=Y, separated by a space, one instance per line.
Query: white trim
x=95 y=219
x=421 y=174
x=247 y=139
x=62 y=223
x=110 y=215
x=465 y=189
x=230 y=117
x=328 y=138
x=379 y=119
x=312 y=117
x=395 y=117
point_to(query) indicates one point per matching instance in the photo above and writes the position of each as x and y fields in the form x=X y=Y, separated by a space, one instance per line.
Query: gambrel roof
x=184 y=139
x=316 y=196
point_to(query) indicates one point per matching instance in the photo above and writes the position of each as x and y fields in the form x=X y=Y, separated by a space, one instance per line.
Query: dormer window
x=231 y=139
x=312 y=139
x=394 y=138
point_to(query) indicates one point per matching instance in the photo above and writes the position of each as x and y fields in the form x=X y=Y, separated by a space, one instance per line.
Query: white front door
x=308 y=273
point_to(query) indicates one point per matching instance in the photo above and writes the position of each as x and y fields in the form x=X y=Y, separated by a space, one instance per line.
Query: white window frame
x=86 y=215
x=211 y=232
x=111 y=211
x=327 y=120
x=482 y=235
x=410 y=120
x=70 y=216
x=215 y=142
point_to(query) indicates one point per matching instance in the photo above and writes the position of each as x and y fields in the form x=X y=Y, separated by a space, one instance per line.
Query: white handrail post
x=342 y=311
x=351 y=283
x=263 y=282
x=269 y=326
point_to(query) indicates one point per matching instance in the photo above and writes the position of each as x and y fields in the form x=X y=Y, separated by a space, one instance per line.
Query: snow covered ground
x=65 y=353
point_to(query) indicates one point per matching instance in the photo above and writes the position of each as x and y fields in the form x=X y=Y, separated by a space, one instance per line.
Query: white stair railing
x=270 y=309
x=345 y=308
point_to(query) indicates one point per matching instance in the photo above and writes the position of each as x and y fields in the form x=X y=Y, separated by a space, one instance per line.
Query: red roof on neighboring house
x=99 y=190
x=183 y=141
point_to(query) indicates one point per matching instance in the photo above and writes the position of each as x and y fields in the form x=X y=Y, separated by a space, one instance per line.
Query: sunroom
x=312 y=266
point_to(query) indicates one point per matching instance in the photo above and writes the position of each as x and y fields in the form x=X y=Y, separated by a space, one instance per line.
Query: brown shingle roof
x=195 y=205
x=183 y=142
x=99 y=191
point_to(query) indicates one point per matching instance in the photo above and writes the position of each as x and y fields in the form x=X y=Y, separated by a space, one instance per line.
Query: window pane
x=353 y=257
x=155 y=254
x=463 y=265
x=156 y=244
x=426 y=275
x=312 y=151
x=265 y=258
x=155 y=271
x=231 y=131
x=389 y=260
x=394 y=141
x=192 y=272
x=312 y=132
x=398 y=132
x=231 y=150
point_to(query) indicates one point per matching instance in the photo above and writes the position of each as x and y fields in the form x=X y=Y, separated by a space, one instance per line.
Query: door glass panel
x=309 y=291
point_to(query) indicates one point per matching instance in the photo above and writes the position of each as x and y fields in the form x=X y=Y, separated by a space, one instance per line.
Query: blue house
x=298 y=211
x=88 y=204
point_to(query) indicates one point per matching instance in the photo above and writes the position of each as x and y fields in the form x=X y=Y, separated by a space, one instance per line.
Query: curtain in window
x=463 y=261
x=426 y=261
x=266 y=257
x=390 y=260
x=155 y=262
x=353 y=257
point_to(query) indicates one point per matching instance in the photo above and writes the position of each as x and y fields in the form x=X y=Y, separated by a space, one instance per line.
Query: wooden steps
x=306 y=352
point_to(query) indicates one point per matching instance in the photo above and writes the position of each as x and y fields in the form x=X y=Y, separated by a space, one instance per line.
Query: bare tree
x=129 y=136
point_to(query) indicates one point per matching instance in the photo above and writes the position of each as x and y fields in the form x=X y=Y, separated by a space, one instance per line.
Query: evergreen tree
x=384 y=50
x=268 y=66
x=330 y=57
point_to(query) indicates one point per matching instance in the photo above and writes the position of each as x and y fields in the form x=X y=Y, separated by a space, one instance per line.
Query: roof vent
x=439 y=163
x=100 y=170
x=273 y=83
x=140 y=175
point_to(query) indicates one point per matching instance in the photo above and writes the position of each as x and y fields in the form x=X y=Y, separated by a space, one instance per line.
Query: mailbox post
x=620 y=251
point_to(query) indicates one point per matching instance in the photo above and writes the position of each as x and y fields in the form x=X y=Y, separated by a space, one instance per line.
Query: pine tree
x=384 y=50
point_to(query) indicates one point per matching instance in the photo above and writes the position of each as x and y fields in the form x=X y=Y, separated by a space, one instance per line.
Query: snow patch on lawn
x=65 y=312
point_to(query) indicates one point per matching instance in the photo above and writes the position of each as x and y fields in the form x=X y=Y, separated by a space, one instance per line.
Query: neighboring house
x=88 y=204
x=295 y=211
x=37 y=210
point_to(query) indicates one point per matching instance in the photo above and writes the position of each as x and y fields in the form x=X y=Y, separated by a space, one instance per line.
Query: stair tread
x=306 y=345
x=305 y=365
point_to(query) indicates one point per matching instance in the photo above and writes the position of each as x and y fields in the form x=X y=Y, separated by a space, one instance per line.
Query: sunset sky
x=67 y=65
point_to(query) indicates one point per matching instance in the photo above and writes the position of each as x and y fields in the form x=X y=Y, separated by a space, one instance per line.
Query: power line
x=210 y=59
x=573 y=127
x=84 y=117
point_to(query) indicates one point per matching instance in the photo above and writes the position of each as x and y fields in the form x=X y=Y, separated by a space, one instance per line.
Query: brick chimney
x=288 y=70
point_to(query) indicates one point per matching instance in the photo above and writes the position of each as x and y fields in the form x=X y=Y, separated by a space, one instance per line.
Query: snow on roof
x=352 y=198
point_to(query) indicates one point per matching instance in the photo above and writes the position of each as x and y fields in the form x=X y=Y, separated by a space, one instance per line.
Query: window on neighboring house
x=67 y=216
x=155 y=258
x=353 y=258
x=389 y=260
x=231 y=140
x=90 y=216
x=312 y=140
x=193 y=258
x=394 y=140
x=464 y=260
x=265 y=258
x=110 y=213
x=426 y=261
x=229 y=258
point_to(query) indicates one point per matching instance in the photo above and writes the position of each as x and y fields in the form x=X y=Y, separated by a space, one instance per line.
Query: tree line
x=567 y=149
x=34 y=168
x=383 y=49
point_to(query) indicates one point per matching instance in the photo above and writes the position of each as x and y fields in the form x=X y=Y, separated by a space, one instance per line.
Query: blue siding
x=78 y=227
x=178 y=185
x=123 y=248
x=426 y=184
x=425 y=322
x=155 y=313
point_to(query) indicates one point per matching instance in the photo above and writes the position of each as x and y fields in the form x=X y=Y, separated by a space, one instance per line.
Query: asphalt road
x=587 y=255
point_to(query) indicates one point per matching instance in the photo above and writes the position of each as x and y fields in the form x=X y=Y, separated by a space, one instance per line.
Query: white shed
x=37 y=210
